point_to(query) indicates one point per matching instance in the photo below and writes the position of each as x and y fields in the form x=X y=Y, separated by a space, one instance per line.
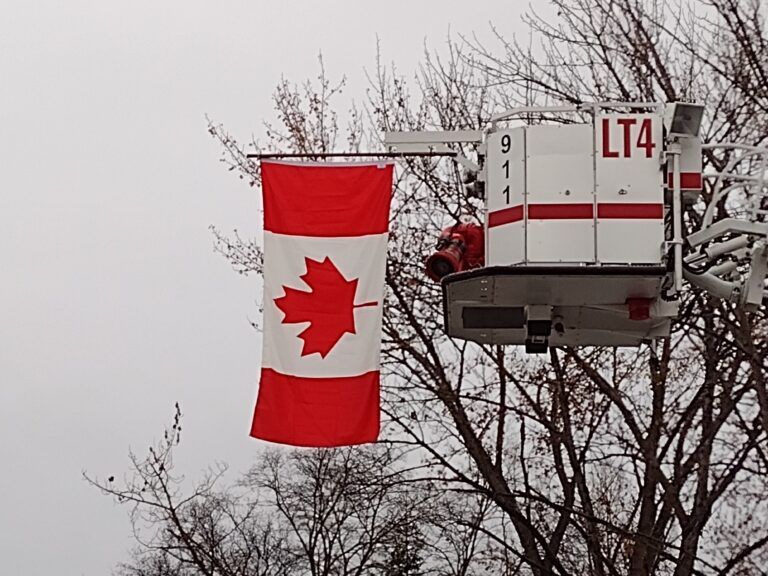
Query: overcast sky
x=113 y=305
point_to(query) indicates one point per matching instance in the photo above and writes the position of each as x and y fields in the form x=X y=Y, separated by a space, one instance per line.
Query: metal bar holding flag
x=305 y=155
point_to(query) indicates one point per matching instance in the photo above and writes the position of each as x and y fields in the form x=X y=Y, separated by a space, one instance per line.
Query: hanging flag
x=325 y=243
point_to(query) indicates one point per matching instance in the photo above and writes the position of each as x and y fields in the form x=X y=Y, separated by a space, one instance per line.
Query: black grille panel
x=479 y=317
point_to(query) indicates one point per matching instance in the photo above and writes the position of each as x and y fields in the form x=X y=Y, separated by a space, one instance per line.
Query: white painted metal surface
x=691 y=161
x=629 y=188
x=434 y=141
x=505 y=197
x=560 y=194
x=577 y=193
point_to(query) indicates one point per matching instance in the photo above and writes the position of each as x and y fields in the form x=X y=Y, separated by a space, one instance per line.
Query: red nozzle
x=459 y=247
x=444 y=262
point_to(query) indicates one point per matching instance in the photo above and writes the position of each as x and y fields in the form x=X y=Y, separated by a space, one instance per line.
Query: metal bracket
x=752 y=295
x=434 y=141
x=727 y=225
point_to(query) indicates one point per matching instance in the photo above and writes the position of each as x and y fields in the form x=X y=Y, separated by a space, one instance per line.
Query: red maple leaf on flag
x=328 y=306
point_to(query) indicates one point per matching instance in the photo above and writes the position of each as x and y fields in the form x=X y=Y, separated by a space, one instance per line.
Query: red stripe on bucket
x=560 y=211
x=505 y=216
x=631 y=211
x=688 y=180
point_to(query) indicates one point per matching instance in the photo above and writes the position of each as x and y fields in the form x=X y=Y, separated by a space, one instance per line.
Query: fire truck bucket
x=542 y=306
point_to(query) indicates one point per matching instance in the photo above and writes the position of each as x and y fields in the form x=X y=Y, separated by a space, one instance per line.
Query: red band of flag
x=317 y=411
x=325 y=249
x=313 y=200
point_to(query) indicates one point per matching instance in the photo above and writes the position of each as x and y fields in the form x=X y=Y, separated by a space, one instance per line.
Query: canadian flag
x=325 y=244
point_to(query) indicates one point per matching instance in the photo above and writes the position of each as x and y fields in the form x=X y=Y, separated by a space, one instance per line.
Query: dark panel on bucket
x=493 y=317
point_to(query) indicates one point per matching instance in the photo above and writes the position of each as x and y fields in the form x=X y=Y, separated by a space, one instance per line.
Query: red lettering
x=627 y=123
x=645 y=138
x=607 y=152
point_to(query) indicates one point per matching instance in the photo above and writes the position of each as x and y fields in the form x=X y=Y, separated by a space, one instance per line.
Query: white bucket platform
x=542 y=306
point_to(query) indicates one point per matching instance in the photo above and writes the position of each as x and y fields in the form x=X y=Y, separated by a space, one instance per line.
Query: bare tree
x=604 y=461
x=202 y=530
x=596 y=461
x=343 y=512
x=348 y=509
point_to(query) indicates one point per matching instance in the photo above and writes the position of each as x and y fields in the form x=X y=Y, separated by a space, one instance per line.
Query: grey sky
x=112 y=303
